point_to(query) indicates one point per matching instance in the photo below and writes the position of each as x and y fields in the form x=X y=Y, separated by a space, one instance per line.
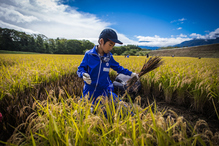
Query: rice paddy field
x=40 y=104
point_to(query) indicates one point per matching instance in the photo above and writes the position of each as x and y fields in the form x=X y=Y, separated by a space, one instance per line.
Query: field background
x=185 y=81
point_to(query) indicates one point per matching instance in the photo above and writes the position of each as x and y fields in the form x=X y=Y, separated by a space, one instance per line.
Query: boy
x=95 y=66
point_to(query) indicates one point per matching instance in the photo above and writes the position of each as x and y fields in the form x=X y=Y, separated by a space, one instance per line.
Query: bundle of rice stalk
x=151 y=64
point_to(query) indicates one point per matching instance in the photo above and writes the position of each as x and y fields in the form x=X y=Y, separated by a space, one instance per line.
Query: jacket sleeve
x=83 y=68
x=115 y=66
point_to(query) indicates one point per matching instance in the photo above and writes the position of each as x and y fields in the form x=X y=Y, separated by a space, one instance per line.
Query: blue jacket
x=98 y=68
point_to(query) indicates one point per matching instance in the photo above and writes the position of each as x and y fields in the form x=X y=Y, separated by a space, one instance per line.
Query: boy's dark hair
x=104 y=40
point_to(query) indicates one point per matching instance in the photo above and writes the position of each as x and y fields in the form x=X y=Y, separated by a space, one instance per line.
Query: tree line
x=129 y=50
x=12 y=40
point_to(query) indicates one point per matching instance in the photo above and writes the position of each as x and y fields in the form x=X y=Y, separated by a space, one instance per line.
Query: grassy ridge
x=205 y=51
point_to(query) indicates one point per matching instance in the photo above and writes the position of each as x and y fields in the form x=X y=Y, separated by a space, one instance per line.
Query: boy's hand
x=134 y=74
x=86 y=78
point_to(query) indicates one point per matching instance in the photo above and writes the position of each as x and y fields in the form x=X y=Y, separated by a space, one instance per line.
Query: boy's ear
x=101 y=41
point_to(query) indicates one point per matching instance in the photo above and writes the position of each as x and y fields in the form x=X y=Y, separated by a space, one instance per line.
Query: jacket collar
x=105 y=57
x=94 y=51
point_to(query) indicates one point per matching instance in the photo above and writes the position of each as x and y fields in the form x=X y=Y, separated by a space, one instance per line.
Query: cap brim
x=116 y=41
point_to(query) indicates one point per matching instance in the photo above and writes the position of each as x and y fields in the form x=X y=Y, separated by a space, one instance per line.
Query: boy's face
x=107 y=47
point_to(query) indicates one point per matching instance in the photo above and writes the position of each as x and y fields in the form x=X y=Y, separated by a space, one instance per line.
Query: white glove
x=86 y=78
x=91 y=110
x=134 y=74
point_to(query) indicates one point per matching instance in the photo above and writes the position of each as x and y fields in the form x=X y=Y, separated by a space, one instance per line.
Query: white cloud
x=182 y=35
x=9 y=13
x=179 y=20
x=197 y=36
x=210 y=35
x=11 y=26
x=214 y=34
x=179 y=28
x=157 y=41
x=49 y=18
x=183 y=19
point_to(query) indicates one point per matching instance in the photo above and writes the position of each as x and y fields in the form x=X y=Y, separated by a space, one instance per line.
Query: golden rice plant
x=25 y=76
x=19 y=70
x=69 y=121
x=181 y=79
x=177 y=79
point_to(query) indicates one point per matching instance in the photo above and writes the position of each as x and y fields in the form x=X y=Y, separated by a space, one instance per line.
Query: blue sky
x=153 y=23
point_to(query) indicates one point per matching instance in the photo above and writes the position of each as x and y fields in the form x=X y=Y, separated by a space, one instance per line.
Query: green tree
x=32 y=44
x=74 y=47
x=118 y=50
x=24 y=41
x=20 y=41
x=61 y=46
x=87 y=45
x=133 y=51
x=39 y=44
x=6 y=40
x=70 y=48
x=52 y=45
x=126 y=53
x=46 y=46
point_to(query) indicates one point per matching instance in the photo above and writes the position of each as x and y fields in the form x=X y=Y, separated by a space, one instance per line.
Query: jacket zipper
x=98 y=75
x=108 y=80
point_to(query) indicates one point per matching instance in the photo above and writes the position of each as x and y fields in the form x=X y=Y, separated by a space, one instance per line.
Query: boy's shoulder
x=87 y=51
x=91 y=51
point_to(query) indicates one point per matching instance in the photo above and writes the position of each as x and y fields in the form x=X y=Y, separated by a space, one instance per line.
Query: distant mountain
x=194 y=42
x=198 y=42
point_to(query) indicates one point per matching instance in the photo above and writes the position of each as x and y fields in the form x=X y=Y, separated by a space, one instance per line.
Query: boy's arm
x=115 y=66
x=83 y=66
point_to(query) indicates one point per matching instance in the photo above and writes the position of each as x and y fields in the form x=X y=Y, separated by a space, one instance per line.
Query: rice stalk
x=61 y=123
x=151 y=64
